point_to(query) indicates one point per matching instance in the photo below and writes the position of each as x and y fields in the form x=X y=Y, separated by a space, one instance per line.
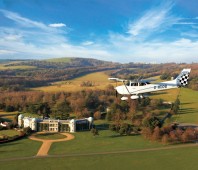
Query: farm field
x=23 y=67
x=100 y=79
x=57 y=60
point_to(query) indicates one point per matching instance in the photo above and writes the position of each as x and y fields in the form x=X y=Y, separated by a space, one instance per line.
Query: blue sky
x=125 y=31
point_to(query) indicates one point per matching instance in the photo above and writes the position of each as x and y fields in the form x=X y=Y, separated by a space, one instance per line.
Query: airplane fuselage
x=138 y=89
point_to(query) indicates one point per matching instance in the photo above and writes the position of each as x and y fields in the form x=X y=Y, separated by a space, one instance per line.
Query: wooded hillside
x=20 y=75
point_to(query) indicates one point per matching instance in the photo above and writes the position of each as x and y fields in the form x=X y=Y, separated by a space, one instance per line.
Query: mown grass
x=189 y=106
x=19 y=148
x=107 y=140
x=167 y=95
x=50 y=136
x=180 y=158
x=85 y=142
x=3 y=113
x=100 y=79
x=7 y=116
x=188 y=112
x=8 y=133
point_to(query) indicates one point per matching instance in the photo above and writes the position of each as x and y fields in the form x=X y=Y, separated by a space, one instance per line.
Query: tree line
x=47 y=72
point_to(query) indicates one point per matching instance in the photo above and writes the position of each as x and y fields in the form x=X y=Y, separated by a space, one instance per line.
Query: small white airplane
x=136 y=89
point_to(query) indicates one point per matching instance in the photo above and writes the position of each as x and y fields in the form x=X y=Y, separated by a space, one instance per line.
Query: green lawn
x=85 y=142
x=50 y=136
x=167 y=95
x=188 y=112
x=7 y=116
x=8 y=132
x=107 y=140
x=182 y=158
x=19 y=148
x=189 y=106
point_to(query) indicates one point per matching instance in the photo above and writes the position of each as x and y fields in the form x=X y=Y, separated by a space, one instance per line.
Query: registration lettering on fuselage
x=163 y=86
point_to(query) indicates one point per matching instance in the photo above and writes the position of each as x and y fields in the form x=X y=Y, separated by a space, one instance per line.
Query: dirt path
x=43 y=151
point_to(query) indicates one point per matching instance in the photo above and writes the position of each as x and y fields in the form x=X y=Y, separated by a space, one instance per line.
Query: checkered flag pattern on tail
x=182 y=79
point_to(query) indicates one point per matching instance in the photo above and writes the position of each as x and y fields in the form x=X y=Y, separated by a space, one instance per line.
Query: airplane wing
x=117 y=79
x=147 y=80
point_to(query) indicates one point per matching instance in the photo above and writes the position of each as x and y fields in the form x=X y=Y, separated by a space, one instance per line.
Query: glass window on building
x=82 y=125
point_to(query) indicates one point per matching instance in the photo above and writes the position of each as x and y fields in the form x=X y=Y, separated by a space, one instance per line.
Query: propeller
x=116 y=91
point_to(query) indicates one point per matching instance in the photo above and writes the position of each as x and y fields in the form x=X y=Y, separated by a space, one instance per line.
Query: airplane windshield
x=134 y=84
x=129 y=83
x=144 y=83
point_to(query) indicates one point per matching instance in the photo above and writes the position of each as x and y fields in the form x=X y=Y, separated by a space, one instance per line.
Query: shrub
x=94 y=131
x=27 y=130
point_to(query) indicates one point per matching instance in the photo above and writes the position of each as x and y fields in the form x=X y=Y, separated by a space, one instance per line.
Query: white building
x=53 y=125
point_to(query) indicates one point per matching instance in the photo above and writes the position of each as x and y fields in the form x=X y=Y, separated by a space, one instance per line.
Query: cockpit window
x=129 y=83
x=134 y=84
x=142 y=84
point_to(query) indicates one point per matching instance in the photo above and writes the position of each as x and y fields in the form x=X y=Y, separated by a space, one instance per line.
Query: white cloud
x=3 y=52
x=27 y=23
x=136 y=47
x=13 y=37
x=32 y=32
x=154 y=19
x=181 y=50
x=46 y=41
x=57 y=25
x=22 y=20
x=58 y=50
x=44 y=45
x=185 y=23
x=86 y=43
x=192 y=34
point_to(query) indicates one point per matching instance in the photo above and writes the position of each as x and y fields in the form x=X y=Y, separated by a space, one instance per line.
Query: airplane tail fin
x=182 y=79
